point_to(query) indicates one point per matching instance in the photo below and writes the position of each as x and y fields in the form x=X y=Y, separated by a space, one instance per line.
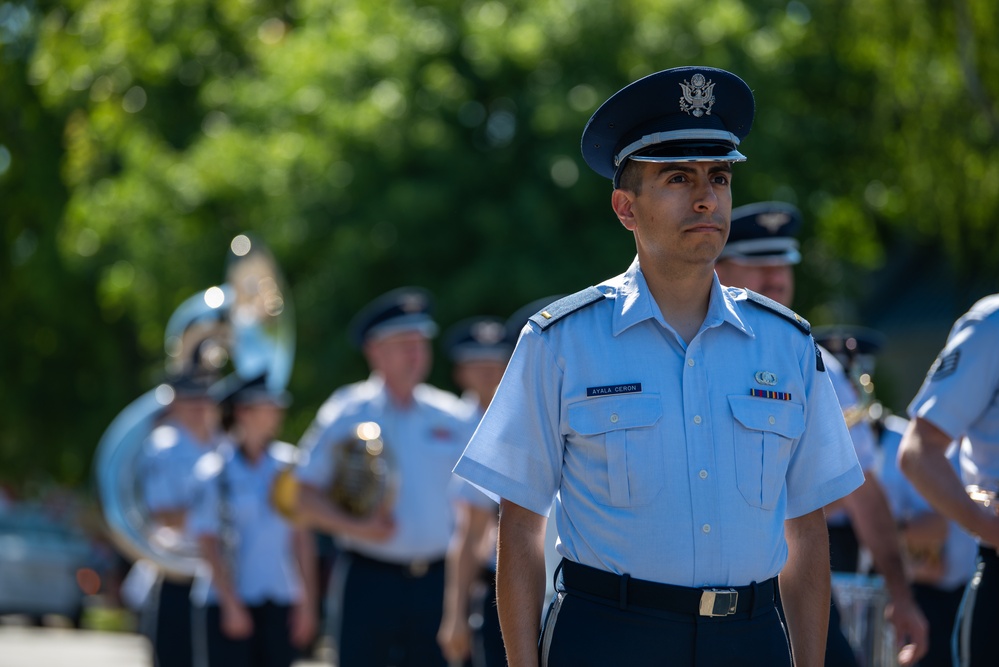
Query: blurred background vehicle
x=47 y=567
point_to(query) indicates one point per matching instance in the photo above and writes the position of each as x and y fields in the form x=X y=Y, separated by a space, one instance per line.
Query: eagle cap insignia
x=698 y=96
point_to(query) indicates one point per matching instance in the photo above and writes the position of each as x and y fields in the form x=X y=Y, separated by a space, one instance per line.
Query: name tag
x=633 y=388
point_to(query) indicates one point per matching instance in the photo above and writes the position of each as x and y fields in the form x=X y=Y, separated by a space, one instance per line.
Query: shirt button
x=706 y=528
x=614 y=418
x=703 y=474
x=690 y=362
x=697 y=419
x=772 y=420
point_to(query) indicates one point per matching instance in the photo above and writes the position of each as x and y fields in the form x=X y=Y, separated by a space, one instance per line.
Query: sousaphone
x=245 y=325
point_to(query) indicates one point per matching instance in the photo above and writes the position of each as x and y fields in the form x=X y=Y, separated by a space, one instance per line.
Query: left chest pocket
x=626 y=459
x=764 y=432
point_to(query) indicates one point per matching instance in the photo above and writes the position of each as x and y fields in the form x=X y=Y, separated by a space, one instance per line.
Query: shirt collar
x=634 y=303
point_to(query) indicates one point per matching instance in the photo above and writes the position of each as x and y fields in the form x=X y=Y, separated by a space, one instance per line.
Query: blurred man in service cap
x=478 y=348
x=387 y=586
x=759 y=255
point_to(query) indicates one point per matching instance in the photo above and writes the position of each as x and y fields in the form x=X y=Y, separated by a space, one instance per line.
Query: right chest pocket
x=622 y=454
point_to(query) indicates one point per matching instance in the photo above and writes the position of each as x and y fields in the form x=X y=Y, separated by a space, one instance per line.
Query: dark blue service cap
x=764 y=234
x=400 y=310
x=241 y=391
x=478 y=339
x=684 y=114
x=192 y=382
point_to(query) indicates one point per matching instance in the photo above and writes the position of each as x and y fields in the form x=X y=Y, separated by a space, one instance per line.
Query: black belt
x=414 y=569
x=626 y=592
x=987 y=553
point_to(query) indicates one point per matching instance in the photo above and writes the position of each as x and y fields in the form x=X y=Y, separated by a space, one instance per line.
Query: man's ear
x=622 y=202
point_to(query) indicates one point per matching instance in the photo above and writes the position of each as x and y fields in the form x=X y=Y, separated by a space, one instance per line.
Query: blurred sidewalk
x=62 y=647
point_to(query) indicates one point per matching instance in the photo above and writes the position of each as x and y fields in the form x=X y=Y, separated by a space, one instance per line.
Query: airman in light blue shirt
x=959 y=400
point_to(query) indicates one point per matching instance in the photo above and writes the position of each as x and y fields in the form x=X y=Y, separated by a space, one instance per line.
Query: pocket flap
x=785 y=418
x=612 y=413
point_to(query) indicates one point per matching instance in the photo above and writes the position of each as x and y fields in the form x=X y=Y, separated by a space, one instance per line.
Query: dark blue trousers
x=169 y=629
x=583 y=630
x=978 y=638
x=389 y=615
x=269 y=645
x=487 y=640
x=940 y=608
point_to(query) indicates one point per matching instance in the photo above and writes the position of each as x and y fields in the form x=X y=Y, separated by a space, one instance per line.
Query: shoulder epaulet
x=553 y=312
x=792 y=317
x=284 y=453
x=785 y=312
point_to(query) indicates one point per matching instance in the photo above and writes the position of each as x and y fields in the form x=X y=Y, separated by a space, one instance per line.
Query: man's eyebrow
x=673 y=166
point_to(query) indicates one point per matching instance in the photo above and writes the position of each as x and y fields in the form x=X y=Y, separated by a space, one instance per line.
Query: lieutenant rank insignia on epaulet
x=552 y=313
x=789 y=315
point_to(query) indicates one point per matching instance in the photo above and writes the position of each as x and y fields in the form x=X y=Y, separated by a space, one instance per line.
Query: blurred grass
x=108 y=619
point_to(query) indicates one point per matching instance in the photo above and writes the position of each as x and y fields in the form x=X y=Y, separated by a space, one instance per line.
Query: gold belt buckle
x=418 y=568
x=718 y=601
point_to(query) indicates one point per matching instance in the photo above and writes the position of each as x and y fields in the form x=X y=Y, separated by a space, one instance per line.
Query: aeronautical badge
x=488 y=333
x=766 y=378
x=698 y=96
x=413 y=303
x=945 y=366
x=772 y=222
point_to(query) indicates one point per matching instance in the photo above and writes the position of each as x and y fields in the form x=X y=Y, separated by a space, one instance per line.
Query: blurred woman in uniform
x=253 y=605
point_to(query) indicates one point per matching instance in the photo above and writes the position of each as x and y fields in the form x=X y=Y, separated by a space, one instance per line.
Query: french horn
x=246 y=325
x=365 y=474
x=365 y=477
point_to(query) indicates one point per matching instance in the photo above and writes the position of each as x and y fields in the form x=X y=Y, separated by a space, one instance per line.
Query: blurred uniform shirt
x=960 y=394
x=425 y=440
x=235 y=500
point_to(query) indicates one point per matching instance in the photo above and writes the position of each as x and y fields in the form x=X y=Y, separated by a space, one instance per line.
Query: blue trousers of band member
x=940 y=607
x=586 y=631
x=978 y=640
x=389 y=615
x=169 y=624
x=269 y=645
x=487 y=640
x=839 y=653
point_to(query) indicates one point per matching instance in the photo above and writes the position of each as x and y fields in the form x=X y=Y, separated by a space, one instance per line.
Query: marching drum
x=861 y=600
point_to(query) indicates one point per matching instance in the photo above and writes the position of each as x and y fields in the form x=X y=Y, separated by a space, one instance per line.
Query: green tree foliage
x=374 y=144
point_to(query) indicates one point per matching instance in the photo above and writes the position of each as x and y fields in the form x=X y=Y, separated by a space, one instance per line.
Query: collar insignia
x=698 y=96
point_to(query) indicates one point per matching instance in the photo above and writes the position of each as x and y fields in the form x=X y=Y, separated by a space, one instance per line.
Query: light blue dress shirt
x=960 y=550
x=662 y=463
x=960 y=394
x=424 y=439
x=167 y=467
x=263 y=561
